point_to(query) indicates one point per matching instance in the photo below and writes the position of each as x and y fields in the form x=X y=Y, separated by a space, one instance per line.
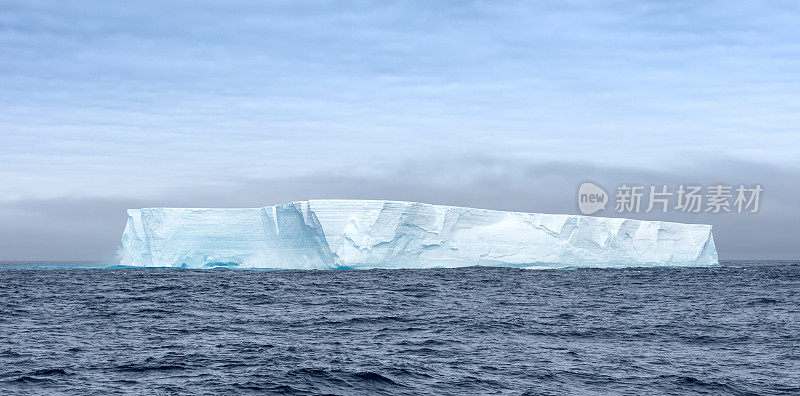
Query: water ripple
x=733 y=329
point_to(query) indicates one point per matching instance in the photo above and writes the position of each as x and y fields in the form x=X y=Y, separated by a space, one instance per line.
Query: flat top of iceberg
x=357 y=202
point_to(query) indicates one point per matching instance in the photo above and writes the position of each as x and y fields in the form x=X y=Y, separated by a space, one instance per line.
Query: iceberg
x=361 y=234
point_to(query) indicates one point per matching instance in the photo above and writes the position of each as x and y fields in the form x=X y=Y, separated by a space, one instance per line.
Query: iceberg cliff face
x=326 y=234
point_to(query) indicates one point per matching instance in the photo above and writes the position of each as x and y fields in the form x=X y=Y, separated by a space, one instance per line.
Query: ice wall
x=325 y=234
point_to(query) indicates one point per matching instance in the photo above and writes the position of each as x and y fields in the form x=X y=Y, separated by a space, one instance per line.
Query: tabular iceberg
x=328 y=234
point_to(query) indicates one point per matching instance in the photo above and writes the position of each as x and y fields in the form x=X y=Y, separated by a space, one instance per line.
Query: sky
x=493 y=104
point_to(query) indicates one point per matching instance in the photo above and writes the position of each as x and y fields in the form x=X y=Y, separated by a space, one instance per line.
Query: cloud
x=106 y=99
x=506 y=105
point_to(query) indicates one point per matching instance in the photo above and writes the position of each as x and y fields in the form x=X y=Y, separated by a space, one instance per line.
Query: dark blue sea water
x=733 y=329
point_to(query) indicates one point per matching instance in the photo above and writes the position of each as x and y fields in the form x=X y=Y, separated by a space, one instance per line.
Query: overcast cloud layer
x=503 y=105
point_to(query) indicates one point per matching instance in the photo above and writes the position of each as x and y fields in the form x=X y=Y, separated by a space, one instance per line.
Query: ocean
x=731 y=329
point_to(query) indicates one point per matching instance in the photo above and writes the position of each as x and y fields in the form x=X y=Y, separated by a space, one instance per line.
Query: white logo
x=717 y=198
x=591 y=198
